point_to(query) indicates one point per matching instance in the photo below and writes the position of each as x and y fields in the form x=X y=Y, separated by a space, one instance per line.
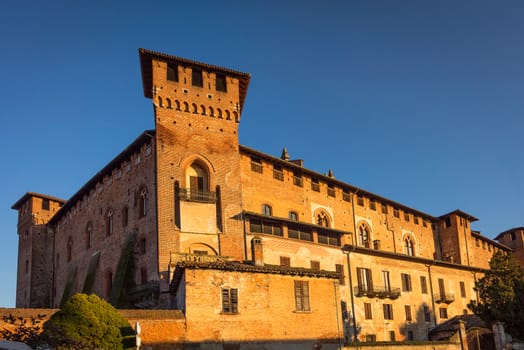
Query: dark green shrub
x=85 y=322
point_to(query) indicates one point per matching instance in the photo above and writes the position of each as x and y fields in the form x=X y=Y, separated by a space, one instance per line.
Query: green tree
x=85 y=322
x=501 y=294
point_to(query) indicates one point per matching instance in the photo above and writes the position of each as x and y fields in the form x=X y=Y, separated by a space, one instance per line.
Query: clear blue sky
x=418 y=101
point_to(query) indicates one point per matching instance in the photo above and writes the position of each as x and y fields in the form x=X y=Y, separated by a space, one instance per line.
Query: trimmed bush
x=85 y=322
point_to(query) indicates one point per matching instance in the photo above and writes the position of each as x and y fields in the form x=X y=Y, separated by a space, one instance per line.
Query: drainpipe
x=432 y=296
x=346 y=251
x=466 y=241
x=245 y=238
x=337 y=315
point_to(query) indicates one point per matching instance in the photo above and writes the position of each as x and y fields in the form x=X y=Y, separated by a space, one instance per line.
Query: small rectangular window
x=415 y=219
x=196 y=77
x=371 y=338
x=427 y=314
x=367 y=311
x=372 y=204
x=384 y=209
x=406 y=282
x=297 y=179
x=392 y=335
x=285 y=261
x=315 y=265
x=278 y=174
x=346 y=196
x=45 y=204
x=229 y=300
x=388 y=311
x=462 y=289
x=423 y=285
x=396 y=212
x=340 y=269
x=256 y=165
x=410 y=335
x=315 y=186
x=424 y=223
x=406 y=216
x=447 y=223
x=407 y=308
x=172 y=72
x=443 y=312
x=221 y=82
x=331 y=191
x=360 y=200
x=302 y=296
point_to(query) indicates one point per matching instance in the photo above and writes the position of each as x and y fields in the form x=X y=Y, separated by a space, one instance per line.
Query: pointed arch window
x=109 y=282
x=69 y=249
x=109 y=222
x=364 y=235
x=142 y=207
x=323 y=219
x=409 y=247
x=89 y=235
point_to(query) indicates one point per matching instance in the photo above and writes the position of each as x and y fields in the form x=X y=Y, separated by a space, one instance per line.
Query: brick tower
x=35 y=249
x=197 y=110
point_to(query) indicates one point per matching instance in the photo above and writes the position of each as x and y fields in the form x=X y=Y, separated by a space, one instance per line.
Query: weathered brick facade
x=187 y=191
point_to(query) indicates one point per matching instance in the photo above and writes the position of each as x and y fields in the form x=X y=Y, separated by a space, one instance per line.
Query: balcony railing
x=446 y=298
x=377 y=292
x=186 y=194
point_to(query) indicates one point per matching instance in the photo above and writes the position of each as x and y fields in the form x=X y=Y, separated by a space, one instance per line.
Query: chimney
x=257 y=251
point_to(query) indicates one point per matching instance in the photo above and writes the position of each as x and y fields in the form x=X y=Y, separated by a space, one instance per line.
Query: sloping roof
x=132 y=148
x=146 y=57
x=28 y=195
x=460 y=213
x=509 y=231
x=330 y=180
x=470 y=321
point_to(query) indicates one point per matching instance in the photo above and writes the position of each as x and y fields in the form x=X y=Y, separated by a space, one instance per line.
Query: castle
x=255 y=247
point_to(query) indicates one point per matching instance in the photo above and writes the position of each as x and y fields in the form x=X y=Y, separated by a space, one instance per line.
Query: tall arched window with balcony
x=197 y=184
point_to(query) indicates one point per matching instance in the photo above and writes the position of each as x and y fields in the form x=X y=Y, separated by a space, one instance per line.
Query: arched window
x=322 y=219
x=142 y=203
x=109 y=222
x=203 y=110
x=89 y=235
x=160 y=103
x=293 y=215
x=143 y=275
x=168 y=103
x=109 y=283
x=142 y=246
x=197 y=182
x=69 y=249
x=409 y=246
x=125 y=216
x=364 y=235
x=266 y=210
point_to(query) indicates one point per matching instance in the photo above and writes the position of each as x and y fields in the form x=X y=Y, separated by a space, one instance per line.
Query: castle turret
x=35 y=249
x=197 y=109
